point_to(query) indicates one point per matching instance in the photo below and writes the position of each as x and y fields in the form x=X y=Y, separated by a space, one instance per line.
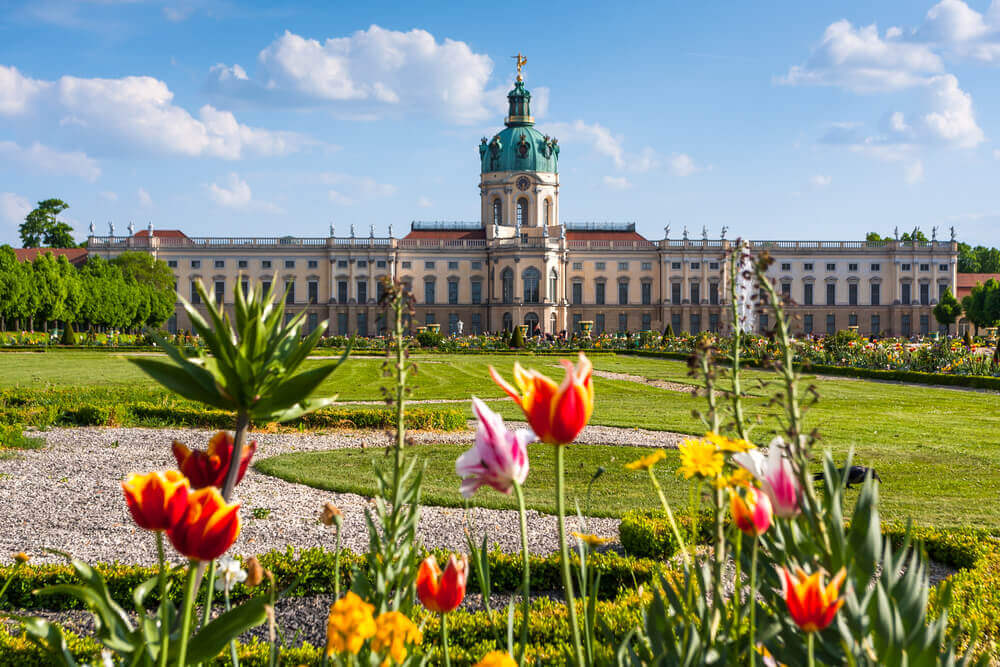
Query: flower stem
x=564 y=553
x=812 y=649
x=164 y=609
x=336 y=568
x=206 y=613
x=444 y=640
x=189 y=594
x=738 y=588
x=753 y=601
x=670 y=516
x=525 y=574
x=232 y=642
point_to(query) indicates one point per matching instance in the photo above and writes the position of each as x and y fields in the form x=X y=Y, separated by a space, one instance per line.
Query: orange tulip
x=156 y=500
x=557 y=413
x=442 y=593
x=751 y=511
x=208 y=527
x=810 y=605
x=209 y=467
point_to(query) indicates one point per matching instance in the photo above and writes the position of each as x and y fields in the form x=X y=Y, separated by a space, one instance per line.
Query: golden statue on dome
x=521 y=62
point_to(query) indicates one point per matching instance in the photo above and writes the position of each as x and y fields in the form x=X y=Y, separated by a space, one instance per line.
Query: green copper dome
x=519 y=146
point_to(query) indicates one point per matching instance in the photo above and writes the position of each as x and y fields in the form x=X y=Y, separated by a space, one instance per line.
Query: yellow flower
x=496 y=659
x=592 y=541
x=699 y=457
x=349 y=625
x=647 y=462
x=393 y=631
x=725 y=444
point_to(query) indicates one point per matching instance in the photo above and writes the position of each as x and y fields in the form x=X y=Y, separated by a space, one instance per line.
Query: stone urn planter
x=586 y=327
x=434 y=328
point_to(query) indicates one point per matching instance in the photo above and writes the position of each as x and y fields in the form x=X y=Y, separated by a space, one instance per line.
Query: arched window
x=531 y=319
x=522 y=212
x=553 y=286
x=531 y=277
x=507 y=281
x=548 y=212
x=497 y=212
x=508 y=322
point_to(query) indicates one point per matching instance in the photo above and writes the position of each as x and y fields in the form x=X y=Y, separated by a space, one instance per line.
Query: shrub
x=518 y=339
x=429 y=338
x=647 y=534
x=68 y=336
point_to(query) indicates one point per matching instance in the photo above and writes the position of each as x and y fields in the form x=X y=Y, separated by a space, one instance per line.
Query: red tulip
x=751 y=514
x=442 y=593
x=810 y=605
x=209 y=468
x=557 y=413
x=156 y=500
x=208 y=527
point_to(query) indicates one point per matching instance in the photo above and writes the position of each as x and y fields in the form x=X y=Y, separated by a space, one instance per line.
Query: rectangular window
x=379 y=290
x=362 y=264
x=245 y=286
x=429 y=318
x=786 y=291
x=943 y=267
x=852 y=294
x=807 y=294
x=876 y=325
x=713 y=293
x=647 y=321
x=852 y=267
x=453 y=266
x=695 y=266
x=362 y=323
x=452 y=324
x=380 y=264
x=172 y=263
x=341 y=291
x=429 y=291
x=477 y=291
x=695 y=293
x=763 y=322
x=428 y=265
x=577 y=294
x=220 y=263
x=786 y=266
x=312 y=322
x=453 y=292
x=941 y=290
x=341 y=263
x=312 y=288
x=675 y=266
x=623 y=322
x=647 y=266
x=290 y=293
x=476 y=325
x=647 y=294
x=599 y=323
x=342 y=324
x=876 y=268
x=220 y=291
x=906 y=325
x=577 y=318
x=807 y=323
x=477 y=266
x=675 y=294
x=578 y=266
x=195 y=297
x=831 y=267
x=695 y=322
x=904 y=267
x=925 y=267
x=623 y=266
x=195 y=263
x=265 y=286
x=714 y=266
x=362 y=291
x=905 y=293
x=407 y=265
x=265 y=264
x=289 y=263
x=876 y=294
x=925 y=324
x=831 y=323
x=599 y=294
x=313 y=264
x=242 y=264
x=852 y=320
x=807 y=266
x=599 y=266
x=831 y=294
x=623 y=293
x=925 y=294
x=713 y=322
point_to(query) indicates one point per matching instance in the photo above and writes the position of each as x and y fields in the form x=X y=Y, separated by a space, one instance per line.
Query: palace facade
x=520 y=264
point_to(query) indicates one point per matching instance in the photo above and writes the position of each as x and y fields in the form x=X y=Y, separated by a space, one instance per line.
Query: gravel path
x=68 y=496
x=660 y=384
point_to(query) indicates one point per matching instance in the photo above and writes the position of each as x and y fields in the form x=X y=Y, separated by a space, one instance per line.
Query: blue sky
x=808 y=120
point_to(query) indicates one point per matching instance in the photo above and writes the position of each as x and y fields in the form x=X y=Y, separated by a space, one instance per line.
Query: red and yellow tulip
x=209 y=467
x=442 y=593
x=208 y=527
x=811 y=605
x=751 y=511
x=156 y=500
x=557 y=413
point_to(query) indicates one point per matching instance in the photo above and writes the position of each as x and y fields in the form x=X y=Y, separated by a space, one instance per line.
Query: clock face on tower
x=523 y=183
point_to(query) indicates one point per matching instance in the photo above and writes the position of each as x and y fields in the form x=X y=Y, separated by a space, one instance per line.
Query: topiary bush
x=647 y=534
x=68 y=335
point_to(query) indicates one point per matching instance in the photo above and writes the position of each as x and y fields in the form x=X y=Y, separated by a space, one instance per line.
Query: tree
x=982 y=305
x=12 y=287
x=155 y=303
x=42 y=228
x=52 y=289
x=978 y=260
x=948 y=309
x=874 y=237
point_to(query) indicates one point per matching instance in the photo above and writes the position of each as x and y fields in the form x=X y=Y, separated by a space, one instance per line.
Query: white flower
x=229 y=573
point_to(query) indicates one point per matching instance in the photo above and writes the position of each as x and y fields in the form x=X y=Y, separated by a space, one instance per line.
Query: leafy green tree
x=920 y=237
x=106 y=304
x=155 y=304
x=52 y=289
x=874 y=237
x=42 y=228
x=978 y=260
x=982 y=305
x=12 y=287
x=74 y=290
x=948 y=309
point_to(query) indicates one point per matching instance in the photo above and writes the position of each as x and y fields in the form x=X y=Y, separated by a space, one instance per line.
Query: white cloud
x=352 y=188
x=681 y=164
x=962 y=31
x=340 y=198
x=48 y=159
x=953 y=120
x=135 y=112
x=13 y=208
x=235 y=195
x=144 y=199
x=821 y=180
x=603 y=142
x=617 y=182
x=373 y=69
x=424 y=202
x=108 y=195
x=914 y=173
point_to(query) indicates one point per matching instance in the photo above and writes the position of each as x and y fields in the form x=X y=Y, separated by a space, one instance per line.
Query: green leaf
x=214 y=637
x=180 y=381
x=49 y=636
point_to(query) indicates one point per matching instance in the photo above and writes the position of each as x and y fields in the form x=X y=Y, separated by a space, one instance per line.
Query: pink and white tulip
x=776 y=475
x=498 y=458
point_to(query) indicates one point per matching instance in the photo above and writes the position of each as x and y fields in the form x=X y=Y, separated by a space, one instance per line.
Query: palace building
x=520 y=264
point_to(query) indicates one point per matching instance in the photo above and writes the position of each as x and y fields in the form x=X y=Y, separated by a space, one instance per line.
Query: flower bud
x=21 y=557
x=331 y=515
x=255 y=572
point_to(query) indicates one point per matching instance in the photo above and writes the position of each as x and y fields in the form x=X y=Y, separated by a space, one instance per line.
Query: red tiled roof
x=604 y=236
x=966 y=281
x=162 y=234
x=447 y=234
x=74 y=255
